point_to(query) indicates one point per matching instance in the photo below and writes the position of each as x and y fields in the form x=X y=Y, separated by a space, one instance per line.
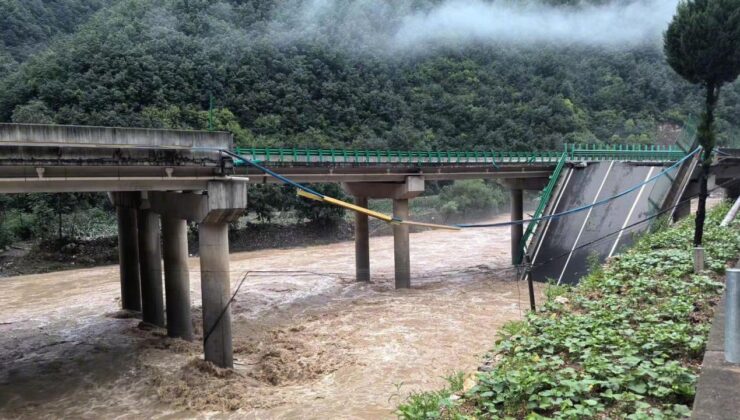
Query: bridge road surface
x=559 y=254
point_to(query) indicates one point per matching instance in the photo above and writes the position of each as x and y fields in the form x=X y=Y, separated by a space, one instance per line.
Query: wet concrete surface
x=309 y=341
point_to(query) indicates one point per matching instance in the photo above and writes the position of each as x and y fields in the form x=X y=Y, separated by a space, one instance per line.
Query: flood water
x=309 y=342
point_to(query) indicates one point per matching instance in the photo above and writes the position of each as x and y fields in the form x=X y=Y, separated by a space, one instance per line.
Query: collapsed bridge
x=161 y=179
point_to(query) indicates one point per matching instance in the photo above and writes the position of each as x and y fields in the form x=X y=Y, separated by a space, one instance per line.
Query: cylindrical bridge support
x=517 y=229
x=216 y=287
x=683 y=209
x=401 y=245
x=732 y=316
x=362 y=242
x=128 y=254
x=176 y=277
x=150 y=262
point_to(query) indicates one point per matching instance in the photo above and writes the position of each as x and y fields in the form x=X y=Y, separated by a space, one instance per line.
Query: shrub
x=467 y=196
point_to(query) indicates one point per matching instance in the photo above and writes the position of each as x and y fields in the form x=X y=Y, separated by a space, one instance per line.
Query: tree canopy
x=702 y=44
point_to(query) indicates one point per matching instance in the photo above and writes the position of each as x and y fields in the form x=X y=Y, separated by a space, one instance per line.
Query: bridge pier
x=401 y=252
x=683 y=209
x=400 y=193
x=362 y=242
x=222 y=203
x=216 y=287
x=176 y=277
x=732 y=191
x=128 y=252
x=150 y=268
x=517 y=187
x=517 y=230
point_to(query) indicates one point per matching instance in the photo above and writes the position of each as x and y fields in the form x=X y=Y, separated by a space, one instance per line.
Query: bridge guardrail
x=544 y=199
x=573 y=151
x=298 y=155
x=640 y=152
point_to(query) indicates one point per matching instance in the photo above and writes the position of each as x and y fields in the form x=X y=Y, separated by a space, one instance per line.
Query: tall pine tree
x=702 y=44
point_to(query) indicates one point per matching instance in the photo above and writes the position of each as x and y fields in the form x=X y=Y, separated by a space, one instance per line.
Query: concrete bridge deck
x=47 y=158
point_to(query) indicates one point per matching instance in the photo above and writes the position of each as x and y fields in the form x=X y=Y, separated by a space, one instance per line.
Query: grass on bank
x=626 y=343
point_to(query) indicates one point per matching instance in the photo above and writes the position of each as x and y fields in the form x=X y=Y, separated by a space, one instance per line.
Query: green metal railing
x=544 y=199
x=282 y=155
x=640 y=152
x=573 y=152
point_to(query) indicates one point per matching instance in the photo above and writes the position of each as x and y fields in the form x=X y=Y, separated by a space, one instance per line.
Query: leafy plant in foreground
x=625 y=343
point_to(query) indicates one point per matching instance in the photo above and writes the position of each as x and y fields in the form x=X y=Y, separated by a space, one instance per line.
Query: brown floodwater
x=309 y=342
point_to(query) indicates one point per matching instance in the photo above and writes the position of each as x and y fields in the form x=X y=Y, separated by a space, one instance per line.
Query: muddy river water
x=310 y=343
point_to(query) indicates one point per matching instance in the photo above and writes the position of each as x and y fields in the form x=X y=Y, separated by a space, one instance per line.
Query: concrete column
x=401 y=245
x=732 y=192
x=128 y=255
x=362 y=242
x=176 y=277
x=150 y=268
x=216 y=287
x=682 y=210
x=517 y=230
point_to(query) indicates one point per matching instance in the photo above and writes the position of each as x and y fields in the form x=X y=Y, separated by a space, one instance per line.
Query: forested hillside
x=343 y=73
x=277 y=79
x=27 y=26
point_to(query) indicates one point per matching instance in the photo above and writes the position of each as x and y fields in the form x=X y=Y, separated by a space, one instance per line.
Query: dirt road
x=308 y=344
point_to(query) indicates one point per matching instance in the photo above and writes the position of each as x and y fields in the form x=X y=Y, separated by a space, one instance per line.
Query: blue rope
x=586 y=207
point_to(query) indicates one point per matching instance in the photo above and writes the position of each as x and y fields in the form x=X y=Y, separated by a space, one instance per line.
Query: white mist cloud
x=475 y=20
x=399 y=25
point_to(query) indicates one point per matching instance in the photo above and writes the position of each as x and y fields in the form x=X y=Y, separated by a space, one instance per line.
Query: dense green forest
x=155 y=63
x=28 y=26
x=282 y=74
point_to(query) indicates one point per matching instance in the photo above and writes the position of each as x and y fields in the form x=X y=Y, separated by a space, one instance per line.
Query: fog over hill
x=401 y=25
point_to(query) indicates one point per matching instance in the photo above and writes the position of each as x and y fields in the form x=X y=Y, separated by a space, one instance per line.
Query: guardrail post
x=732 y=316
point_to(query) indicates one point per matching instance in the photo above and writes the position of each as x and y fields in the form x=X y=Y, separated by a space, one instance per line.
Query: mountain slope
x=156 y=63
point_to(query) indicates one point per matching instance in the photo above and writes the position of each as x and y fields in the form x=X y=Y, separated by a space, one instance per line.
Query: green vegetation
x=702 y=44
x=54 y=216
x=626 y=343
x=470 y=196
x=27 y=26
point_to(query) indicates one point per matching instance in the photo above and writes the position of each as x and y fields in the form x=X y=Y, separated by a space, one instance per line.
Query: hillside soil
x=309 y=341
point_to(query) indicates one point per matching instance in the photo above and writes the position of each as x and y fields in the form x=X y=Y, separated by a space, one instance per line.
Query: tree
x=702 y=45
